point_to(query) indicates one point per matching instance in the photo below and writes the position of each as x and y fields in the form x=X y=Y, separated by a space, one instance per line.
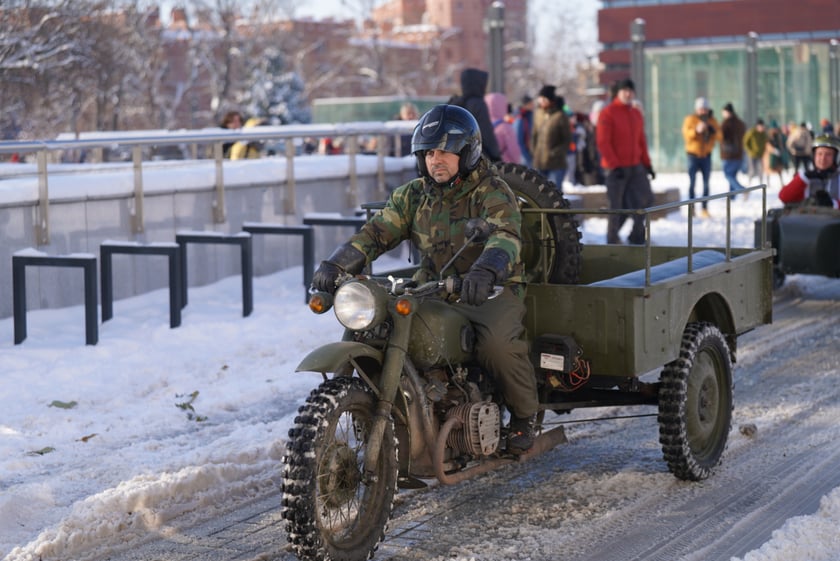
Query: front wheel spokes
x=341 y=482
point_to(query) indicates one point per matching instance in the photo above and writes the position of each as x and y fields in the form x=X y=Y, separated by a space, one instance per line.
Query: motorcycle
x=407 y=401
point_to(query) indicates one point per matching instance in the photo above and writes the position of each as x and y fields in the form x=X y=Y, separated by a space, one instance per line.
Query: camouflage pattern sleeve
x=499 y=208
x=390 y=225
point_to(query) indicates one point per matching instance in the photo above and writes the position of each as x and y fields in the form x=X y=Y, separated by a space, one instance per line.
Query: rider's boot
x=521 y=435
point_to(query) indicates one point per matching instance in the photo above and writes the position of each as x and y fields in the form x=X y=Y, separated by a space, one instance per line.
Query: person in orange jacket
x=700 y=131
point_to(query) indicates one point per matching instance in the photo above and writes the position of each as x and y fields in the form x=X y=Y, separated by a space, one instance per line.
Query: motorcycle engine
x=480 y=432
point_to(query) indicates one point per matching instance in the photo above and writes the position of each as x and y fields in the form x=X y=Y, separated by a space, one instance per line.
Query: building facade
x=770 y=58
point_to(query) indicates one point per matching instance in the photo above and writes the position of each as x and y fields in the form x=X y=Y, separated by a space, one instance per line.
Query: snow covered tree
x=276 y=94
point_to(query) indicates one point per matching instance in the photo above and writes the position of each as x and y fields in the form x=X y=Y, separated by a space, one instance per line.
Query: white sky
x=126 y=458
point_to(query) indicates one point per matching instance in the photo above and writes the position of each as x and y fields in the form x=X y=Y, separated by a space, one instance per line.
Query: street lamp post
x=834 y=80
x=637 y=64
x=494 y=26
x=751 y=79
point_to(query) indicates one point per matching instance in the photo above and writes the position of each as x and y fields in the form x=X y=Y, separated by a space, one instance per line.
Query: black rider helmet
x=828 y=141
x=450 y=128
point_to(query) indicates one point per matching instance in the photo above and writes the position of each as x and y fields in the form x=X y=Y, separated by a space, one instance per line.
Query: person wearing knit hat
x=549 y=92
x=620 y=136
x=700 y=131
x=732 y=131
x=627 y=83
x=550 y=136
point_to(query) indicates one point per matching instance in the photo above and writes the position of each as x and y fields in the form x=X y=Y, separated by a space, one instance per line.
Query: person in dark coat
x=732 y=146
x=473 y=88
x=551 y=136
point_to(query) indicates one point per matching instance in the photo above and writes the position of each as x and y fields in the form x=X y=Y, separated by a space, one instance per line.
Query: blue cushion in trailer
x=664 y=270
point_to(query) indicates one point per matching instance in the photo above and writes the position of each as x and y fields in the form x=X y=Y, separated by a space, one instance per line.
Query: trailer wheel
x=561 y=263
x=695 y=403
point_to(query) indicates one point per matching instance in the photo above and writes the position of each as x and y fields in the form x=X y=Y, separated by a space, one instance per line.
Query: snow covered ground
x=107 y=442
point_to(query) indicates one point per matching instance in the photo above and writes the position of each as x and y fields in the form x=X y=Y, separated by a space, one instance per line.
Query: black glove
x=650 y=172
x=345 y=259
x=477 y=285
x=617 y=173
x=325 y=277
x=822 y=198
x=490 y=268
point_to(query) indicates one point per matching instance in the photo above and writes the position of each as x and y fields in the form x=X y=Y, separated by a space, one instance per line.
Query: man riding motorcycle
x=457 y=183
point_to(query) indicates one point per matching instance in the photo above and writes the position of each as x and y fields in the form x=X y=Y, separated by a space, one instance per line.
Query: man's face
x=823 y=157
x=625 y=96
x=442 y=165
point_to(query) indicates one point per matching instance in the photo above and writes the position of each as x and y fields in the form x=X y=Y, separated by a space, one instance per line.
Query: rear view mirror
x=477 y=230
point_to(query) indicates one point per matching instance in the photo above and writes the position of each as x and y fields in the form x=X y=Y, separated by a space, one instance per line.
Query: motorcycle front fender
x=332 y=356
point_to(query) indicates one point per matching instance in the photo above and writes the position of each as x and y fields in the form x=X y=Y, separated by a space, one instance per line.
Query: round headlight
x=359 y=305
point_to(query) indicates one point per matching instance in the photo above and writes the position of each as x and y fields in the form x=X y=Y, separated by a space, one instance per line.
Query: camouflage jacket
x=434 y=217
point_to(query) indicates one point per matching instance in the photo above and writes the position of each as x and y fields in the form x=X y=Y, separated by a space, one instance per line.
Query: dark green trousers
x=501 y=351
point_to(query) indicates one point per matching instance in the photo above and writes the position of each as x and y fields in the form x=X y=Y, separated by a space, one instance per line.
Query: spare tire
x=561 y=262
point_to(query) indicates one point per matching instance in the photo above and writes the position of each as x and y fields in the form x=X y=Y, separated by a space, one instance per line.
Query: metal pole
x=137 y=164
x=637 y=65
x=834 y=80
x=42 y=212
x=219 y=211
x=494 y=26
x=751 y=79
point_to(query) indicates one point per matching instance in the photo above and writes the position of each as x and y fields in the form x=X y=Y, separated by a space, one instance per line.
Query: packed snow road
x=607 y=494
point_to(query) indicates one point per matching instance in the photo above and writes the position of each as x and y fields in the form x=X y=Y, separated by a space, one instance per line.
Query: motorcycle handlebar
x=449 y=285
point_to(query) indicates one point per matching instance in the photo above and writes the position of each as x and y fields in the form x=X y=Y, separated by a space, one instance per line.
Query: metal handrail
x=212 y=136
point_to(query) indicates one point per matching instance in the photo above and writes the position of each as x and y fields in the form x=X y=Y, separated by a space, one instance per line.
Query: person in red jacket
x=620 y=136
x=821 y=185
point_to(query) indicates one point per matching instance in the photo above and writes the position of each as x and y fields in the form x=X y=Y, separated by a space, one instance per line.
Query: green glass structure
x=792 y=84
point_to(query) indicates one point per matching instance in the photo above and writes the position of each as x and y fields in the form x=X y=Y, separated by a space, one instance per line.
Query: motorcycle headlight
x=360 y=305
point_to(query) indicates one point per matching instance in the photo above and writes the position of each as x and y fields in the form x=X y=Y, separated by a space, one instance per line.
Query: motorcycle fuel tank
x=440 y=336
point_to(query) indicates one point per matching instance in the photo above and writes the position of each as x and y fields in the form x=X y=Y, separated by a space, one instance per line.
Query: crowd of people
x=762 y=152
x=607 y=146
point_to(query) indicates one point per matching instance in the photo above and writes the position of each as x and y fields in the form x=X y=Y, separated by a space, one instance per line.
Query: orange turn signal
x=403 y=306
x=320 y=302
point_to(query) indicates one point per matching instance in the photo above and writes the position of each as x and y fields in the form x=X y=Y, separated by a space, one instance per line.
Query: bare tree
x=559 y=59
x=39 y=46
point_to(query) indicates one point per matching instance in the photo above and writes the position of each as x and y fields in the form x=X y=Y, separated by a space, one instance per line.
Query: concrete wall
x=83 y=217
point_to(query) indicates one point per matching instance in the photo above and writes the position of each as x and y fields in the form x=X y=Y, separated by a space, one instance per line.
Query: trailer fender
x=713 y=308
